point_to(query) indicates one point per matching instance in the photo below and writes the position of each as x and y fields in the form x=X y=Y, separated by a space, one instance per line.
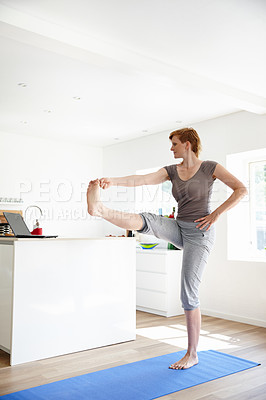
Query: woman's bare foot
x=186 y=362
x=93 y=198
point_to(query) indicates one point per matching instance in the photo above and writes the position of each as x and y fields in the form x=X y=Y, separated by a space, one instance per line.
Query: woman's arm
x=239 y=191
x=136 y=180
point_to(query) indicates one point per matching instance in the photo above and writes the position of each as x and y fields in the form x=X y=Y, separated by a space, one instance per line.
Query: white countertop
x=156 y=251
x=5 y=239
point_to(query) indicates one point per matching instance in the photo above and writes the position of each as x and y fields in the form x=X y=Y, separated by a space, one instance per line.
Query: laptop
x=19 y=227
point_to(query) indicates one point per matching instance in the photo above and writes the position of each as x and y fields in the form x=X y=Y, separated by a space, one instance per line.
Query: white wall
x=53 y=175
x=230 y=289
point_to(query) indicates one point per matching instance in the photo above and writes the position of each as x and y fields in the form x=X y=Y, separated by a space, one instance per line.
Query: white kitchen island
x=59 y=296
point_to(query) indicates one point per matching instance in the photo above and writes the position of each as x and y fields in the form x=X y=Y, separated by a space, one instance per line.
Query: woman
x=193 y=229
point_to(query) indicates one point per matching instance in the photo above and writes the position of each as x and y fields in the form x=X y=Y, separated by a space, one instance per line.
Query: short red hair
x=188 y=135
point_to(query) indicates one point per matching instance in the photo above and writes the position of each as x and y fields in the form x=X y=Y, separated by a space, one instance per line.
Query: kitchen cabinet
x=158 y=281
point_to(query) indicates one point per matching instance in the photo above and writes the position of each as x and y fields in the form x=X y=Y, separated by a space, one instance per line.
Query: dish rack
x=5 y=229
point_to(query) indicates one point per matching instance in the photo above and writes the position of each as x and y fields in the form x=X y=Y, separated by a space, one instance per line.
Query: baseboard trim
x=232 y=317
x=4 y=349
x=158 y=312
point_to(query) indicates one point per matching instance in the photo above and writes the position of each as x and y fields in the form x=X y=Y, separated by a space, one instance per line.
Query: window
x=152 y=198
x=247 y=221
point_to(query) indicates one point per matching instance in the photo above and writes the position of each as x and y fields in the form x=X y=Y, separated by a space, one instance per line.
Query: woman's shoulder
x=208 y=166
x=170 y=167
x=209 y=162
x=170 y=170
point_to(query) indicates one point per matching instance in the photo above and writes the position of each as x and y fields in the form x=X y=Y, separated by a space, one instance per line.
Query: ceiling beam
x=52 y=37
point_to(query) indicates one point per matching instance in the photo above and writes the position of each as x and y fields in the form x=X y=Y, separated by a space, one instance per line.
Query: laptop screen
x=17 y=224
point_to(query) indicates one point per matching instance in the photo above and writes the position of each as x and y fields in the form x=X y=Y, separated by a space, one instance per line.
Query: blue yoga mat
x=141 y=380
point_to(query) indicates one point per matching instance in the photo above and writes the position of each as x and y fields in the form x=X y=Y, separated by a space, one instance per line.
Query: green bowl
x=148 y=246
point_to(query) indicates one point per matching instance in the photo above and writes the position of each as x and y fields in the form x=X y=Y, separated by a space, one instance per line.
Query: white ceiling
x=138 y=66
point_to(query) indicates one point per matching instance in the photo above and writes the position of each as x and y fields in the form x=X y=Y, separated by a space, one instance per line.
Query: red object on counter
x=172 y=215
x=37 y=231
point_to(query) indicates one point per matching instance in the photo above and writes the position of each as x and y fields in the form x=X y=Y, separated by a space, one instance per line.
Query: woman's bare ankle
x=192 y=352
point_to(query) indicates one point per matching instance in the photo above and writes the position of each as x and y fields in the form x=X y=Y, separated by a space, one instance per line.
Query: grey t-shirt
x=193 y=195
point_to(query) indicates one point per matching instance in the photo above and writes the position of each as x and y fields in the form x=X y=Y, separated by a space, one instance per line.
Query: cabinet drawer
x=151 y=262
x=149 y=299
x=151 y=281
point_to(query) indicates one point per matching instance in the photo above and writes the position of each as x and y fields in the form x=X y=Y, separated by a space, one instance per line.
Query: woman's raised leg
x=124 y=220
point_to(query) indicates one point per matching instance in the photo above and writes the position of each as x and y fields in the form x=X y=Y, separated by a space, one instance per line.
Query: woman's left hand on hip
x=208 y=220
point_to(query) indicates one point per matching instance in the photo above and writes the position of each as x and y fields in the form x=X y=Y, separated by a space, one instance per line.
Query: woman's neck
x=190 y=160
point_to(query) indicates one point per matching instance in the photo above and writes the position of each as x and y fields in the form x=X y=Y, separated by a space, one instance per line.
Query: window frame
x=252 y=203
x=240 y=242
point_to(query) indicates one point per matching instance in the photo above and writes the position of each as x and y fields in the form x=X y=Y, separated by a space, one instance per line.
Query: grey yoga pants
x=196 y=245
